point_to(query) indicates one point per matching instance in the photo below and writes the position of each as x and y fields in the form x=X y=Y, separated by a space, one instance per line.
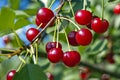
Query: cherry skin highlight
x=116 y=9
x=11 y=74
x=31 y=33
x=71 y=58
x=84 y=37
x=44 y=15
x=83 y=17
x=55 y=55
x=99 y=26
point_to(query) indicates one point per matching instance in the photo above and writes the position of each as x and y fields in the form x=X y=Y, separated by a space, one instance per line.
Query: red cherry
x=39 y=23
x=89 y=25
x=55 y=55
x=84 y=37
x=99 y=26
x=11 y=74
x=51 y=45
x=83 y=17
x=72 y=39
x=31 y=33
x=117 y=9
x=71 y=58
x=43 y=24
x=105 y=77
x=6 y=39
x=44 y=15
x=50 y=76
x=83 y=75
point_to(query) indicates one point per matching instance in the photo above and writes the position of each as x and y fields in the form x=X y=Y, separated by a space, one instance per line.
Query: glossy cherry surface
x=71 y=58
x=84 y=37
x=89 y=25
x=83 y=17
x=11 y=74
x=31 y=33
x=39 y=23
x=72 y=39
x=51 y=45
x=99 y=26
x=55 y=55
x=117 y=9
x=44 y=15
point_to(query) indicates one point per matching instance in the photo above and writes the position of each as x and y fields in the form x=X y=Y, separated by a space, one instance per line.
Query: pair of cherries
x=55 y=54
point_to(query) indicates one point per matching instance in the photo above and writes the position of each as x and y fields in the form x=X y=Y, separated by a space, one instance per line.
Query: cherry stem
x=69 y=1
x=102 y=14
x=52 y=3
x=67 y=39
x=36 y=52
x=32 y=53
x=58 y=32
x=54 y=36
x=22 y=59
x=21 y=64
x=70 y=21
x=84 y=5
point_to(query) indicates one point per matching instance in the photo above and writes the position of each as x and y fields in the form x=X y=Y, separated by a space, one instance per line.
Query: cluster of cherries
x=82 y=37
x=53 y=49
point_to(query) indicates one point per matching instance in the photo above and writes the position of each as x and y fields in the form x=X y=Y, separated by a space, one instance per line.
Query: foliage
x=14 y=18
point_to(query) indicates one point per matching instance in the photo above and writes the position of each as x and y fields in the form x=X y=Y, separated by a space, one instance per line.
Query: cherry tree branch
x=100 y=70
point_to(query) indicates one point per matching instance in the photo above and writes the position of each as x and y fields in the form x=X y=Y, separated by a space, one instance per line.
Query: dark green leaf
x=30 y=72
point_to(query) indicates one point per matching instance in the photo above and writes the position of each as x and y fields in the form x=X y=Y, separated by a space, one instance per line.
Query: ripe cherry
x=84 y=37
x=31 y=33
x=50 y=76
x=89 y=25
x=85 y=73
x=83 y=17
x=40 y=23
x=99 y=26
x=11 y=74
x=72 y=39
x=117 y=9
x=51 y=45
x=71 y=58
x=6 y=39
x=44 y=15
x=55 y=55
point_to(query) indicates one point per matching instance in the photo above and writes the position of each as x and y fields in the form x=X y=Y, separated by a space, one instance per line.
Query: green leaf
x=30 y=72
x=7 y=17
x=14 y=4
x=21 y=22
x=22 y=14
